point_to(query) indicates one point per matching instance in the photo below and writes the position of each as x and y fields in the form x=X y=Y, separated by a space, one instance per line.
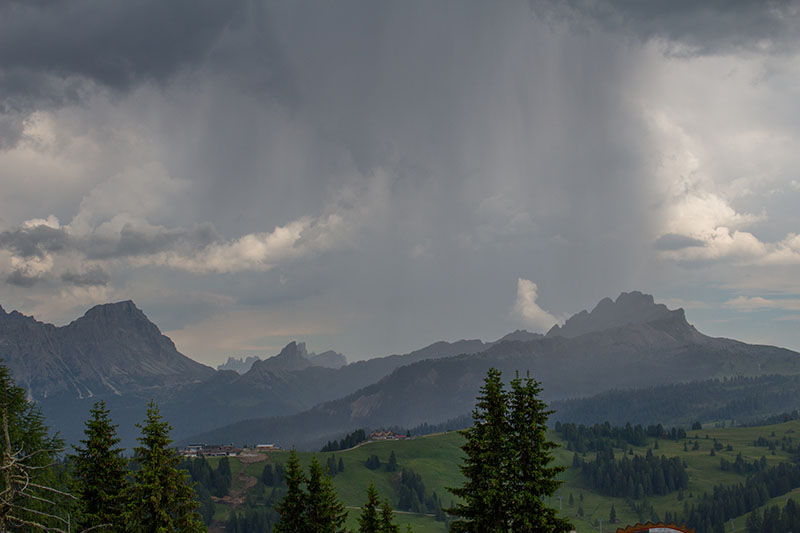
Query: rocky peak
x=295 y=356
x=111 y=348
x=629 y=308
x=291 y=357
x=328 y=359
x=124 y=312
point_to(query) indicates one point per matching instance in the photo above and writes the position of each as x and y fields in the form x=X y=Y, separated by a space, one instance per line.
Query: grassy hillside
x=437 y=457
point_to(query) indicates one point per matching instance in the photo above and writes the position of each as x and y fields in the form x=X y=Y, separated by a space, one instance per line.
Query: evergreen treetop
x=369 y=521
x=292 y=508
x=161 y=498
x=99 y=480
x=507 y=464
x=325 y=514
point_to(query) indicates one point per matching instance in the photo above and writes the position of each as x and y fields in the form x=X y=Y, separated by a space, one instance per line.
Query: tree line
x=599 y=437
x=725 y=502
x=635 y=477
x=349 y=441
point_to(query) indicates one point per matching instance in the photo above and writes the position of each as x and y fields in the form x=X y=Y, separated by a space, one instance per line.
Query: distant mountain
x=116 y=354
x=629 y=308
x=327 y=359
x=113 y=348
x=294 y=356
x=240 y=365
x=744 y=399
x=288 y=360
x=663 y=351
x=521 y=335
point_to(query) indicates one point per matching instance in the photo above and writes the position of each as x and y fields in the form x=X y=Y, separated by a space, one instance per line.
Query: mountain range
x=299 y=398
x=663 y=351
x=293 y=357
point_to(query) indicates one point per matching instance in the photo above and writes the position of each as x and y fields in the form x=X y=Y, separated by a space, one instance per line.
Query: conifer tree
x=161 y=498
x=531 y=475
x=387 y=519
x=507 y=464
x=30 y=495
x=292 y=508
x=99 y=479
x=391 y=466
x=485 y=491
x=369 y=521
x=325 y=514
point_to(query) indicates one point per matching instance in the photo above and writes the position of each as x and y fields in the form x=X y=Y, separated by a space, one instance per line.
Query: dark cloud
x=112 y=43
x=704 y=27
x=57 y=52
x=673 y=241
x=91 y=277
x=130 y=242
x=134 y=241
x=20 y=279
x=34 y=241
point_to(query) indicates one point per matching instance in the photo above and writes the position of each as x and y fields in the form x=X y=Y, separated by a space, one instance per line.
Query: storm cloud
x=418 y=170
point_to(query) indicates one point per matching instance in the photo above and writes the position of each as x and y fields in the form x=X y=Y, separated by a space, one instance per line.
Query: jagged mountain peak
x=629 y=308
x=295 y=356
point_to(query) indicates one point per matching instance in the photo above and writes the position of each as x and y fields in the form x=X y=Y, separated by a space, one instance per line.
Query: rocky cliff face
x=629 y=308
x=113 y=348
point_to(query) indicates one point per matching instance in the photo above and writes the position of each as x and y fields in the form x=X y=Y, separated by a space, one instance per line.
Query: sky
x=371 y=177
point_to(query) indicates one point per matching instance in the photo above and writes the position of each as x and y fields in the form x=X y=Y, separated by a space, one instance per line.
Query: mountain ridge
x=664 y=351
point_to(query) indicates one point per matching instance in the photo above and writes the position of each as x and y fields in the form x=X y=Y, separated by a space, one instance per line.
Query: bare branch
x=24 y=522
x=40 y=513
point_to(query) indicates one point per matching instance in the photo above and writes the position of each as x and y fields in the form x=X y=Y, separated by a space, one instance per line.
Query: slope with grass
x=437 y=457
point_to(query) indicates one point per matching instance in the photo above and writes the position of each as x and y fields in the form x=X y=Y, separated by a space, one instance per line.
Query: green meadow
x=437 y=457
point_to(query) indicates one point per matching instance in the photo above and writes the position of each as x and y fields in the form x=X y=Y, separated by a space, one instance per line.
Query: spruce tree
x=391 y=466
x=161 y=498
x=507 y=464
x=485 y=491
x=324 y=512
x=369 y=521
x=531 y=475
x=387 y=519
x=99 y=479
x=292 y=508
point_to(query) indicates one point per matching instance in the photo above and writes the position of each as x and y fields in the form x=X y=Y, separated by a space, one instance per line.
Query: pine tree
x=387 y=519
x=530 y=473
x=100 y=481
x=485 y=507
x=161 y=498
x=292 y=508
x=507 y=463
x=612 y=516
x=391 y=466
x=369 y=521
x=324 y=512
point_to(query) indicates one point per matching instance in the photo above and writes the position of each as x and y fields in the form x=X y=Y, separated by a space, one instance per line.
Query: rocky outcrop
x=113 y=348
